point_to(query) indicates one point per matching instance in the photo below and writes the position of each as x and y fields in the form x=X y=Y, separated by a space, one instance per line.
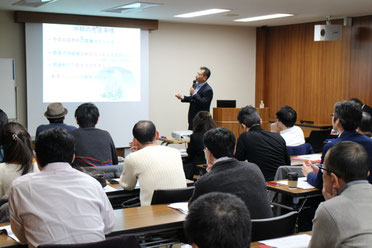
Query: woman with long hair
x=202 y=122
x=18 y=157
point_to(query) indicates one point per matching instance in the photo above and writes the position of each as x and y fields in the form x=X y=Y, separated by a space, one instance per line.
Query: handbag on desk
x=98 y=175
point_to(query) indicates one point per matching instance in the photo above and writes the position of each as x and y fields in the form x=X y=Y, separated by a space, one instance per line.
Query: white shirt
x=59 y=205
x=293 y=136
x=155 y=167
x=9 y=172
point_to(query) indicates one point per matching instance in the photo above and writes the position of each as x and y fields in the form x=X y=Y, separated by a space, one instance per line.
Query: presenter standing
x=201 y=94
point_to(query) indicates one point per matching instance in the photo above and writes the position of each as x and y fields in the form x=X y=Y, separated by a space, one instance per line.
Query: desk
x=172 y=141
x=5 y=240
x=140 y=221
x=297 y=195
x=258 y=243
x=308 y=127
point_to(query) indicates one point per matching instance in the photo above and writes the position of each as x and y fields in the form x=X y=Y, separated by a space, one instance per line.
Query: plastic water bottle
x=262 y=105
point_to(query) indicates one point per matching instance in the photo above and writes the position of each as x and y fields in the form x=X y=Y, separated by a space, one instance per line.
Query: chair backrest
x=300 y=150
x=274 y=227
x=124 y=240
x=163 y=196
x=317 y=138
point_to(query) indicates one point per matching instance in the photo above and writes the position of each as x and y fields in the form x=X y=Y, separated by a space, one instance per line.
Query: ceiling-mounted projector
x=327 y=32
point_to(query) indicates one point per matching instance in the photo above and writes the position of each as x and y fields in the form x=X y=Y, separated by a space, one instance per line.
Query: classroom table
x=116 y=198
x=173 y=141
x=145 y=223
x=297 y=194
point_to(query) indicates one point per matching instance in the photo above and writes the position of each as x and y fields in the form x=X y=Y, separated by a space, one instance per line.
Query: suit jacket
x=345 y=220
x=317 y=179
x=201 y=101
x=242 y=179
x=266 y=149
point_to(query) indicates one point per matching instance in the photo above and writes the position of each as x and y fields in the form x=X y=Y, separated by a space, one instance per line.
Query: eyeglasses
x=320 y=166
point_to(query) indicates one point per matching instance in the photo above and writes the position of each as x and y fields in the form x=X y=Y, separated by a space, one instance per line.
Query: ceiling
x=303 y=10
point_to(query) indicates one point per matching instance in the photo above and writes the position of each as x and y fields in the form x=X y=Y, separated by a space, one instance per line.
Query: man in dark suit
x=201 y=94
x=228 y=175
x=345 y=120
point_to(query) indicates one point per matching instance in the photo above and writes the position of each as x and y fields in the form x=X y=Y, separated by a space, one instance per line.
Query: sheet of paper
x=295 y=241
x=10 y=232
x=181 y=206
x=109 y=188
x=302 y=183
x=116 y=179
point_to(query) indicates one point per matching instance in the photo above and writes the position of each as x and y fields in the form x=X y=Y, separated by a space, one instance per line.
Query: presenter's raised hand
x=179 y=96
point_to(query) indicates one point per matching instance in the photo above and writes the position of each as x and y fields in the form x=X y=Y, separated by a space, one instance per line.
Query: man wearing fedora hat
x=56 y=115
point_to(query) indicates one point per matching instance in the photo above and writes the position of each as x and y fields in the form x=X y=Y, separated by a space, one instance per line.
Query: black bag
x=98 y=175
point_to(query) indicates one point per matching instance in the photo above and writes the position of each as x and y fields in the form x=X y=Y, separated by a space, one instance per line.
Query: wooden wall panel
x=311 y=76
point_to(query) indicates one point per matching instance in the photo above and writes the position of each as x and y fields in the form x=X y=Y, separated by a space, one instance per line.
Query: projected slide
x=91 y=64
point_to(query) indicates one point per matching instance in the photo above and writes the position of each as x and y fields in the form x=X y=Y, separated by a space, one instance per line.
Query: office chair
x=274 y=227
x=121 y=241
x=163 y=196
x=317 y=138
x=300 y=150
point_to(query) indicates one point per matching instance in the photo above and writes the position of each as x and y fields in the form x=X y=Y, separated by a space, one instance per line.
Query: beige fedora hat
x=55 y=110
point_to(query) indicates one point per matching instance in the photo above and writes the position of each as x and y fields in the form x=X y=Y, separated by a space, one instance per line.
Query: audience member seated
x=58 y=205
x=94 y=147
x=154 y=166
x=3 y=121
x=286 y=117
x=218 y=220
x=226 y=174
x=56 y=115
x=266 y=149
x=18 y=155
x=202 y=122
x=345 y=120
x=365 y=126
x=344 y=219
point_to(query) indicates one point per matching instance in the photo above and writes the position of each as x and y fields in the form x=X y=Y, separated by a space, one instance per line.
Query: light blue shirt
x=198 y=86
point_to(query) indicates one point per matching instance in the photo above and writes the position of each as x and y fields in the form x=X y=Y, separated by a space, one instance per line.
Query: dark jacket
x=201 y=101
x=242 y=179
x=317 y=179
x=94 y=147
x=266 y=149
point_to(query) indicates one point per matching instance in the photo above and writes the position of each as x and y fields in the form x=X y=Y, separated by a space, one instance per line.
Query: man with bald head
x=153 y=165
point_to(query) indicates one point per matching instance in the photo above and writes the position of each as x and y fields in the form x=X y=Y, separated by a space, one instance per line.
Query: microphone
x=194 y=84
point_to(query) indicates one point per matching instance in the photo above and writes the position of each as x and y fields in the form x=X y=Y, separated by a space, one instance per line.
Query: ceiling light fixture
x=131 y=7
x=265 y=17
x=202 y=13
x=33 y=3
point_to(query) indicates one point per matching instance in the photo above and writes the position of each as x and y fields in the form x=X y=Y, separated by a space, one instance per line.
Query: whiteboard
x=8 y=88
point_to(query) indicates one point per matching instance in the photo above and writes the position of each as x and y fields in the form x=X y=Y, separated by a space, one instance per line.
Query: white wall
x=176 y=53
x=12 y=45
